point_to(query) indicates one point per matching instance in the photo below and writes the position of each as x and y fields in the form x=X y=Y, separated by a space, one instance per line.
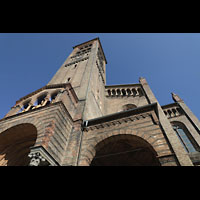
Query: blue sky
x=170 y=62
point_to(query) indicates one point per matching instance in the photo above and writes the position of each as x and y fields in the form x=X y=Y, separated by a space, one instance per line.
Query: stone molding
x=122 y=117
x=119 y=121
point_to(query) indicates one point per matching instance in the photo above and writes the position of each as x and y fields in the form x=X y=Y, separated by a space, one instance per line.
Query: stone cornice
x=169 y=105
x=117 y=121
x=121 y=117
x=123 y=85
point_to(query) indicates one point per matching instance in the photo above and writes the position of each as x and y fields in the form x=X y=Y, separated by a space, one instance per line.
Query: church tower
x=78 y=120
x=85 y=70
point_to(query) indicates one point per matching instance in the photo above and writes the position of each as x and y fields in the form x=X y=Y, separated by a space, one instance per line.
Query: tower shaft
x=85 y=69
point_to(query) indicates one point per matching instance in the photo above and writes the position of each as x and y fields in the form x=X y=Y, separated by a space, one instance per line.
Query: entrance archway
x=15 y=144
x=124 y=150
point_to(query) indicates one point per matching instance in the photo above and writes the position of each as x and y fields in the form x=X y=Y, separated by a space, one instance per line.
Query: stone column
x=176 y=145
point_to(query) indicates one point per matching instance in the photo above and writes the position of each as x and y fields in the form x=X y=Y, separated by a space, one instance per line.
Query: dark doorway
x=124 y=150
x=15 y=145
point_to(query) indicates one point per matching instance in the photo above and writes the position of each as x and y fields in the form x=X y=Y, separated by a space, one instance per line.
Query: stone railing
x=124 y=90
x=172 y=110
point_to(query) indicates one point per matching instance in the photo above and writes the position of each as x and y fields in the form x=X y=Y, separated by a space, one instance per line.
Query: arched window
x=113 y=92
x=24 y=106
x=123 y=92
x=41 y=98
x=128 y=107
x=109 y=92
x=185 y=137
x=40 y=101
x=53 y=96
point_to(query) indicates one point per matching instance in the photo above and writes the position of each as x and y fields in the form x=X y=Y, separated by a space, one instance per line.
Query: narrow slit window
x=186 y=139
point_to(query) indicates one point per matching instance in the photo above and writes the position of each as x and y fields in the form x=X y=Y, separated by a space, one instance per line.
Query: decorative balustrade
x=172 y=111
x=124 y=91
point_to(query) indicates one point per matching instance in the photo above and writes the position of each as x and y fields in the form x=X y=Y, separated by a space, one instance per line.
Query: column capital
x=40 y=157
x=36 y=159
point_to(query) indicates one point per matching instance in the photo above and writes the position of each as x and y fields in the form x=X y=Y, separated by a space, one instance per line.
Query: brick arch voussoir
x=114 y=133
x=90 y=151
x=148 y=138
x=89 y=154
x=144 y=136
x=24 y=121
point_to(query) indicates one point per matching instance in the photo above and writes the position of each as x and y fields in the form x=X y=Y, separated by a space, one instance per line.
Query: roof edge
x=123 y=85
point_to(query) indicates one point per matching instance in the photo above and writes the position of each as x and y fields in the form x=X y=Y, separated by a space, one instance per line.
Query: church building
x=78 y=120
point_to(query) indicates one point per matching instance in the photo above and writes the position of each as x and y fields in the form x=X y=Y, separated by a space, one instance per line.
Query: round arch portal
x=15 y=144
x=124 y=150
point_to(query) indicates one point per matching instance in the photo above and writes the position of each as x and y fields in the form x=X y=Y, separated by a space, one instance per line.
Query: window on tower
x=128 y=107
x=24 y=107
x=53 y=96
x=41 y=99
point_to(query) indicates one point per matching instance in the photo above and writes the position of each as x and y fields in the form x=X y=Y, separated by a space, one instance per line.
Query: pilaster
x=71 y=156
x=189 y=114
x=177 y=147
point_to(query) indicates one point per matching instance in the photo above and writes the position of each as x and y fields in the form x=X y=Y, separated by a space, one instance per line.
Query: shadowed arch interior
x=15 y=144
x=124 y=150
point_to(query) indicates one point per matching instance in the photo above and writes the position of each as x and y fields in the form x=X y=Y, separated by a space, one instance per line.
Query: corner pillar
x=189 y=114
x=176 y=145
x=14 y=110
